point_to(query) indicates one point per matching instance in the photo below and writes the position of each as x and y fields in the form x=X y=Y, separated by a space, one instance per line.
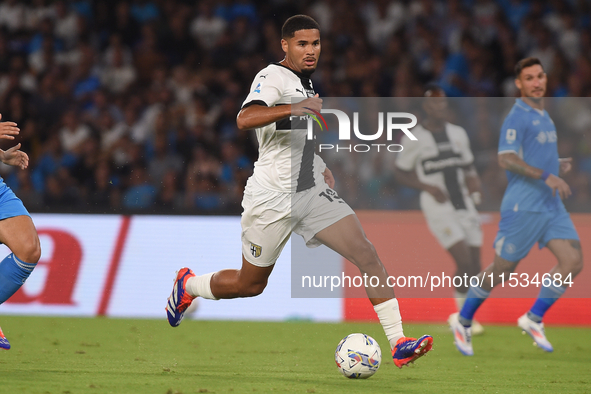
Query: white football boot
x=462 y=335
x=536 y=331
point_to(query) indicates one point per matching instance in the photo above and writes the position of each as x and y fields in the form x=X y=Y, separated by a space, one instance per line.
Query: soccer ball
x=358 y=356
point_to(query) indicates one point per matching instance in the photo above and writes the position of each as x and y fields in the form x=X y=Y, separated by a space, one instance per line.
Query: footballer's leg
x=459 y=232
x=265 y=233
x=467 y=259
x=347 y=238
x=570 y=263
x=569 y=255
x=561 y=238
x=461 y=253
x=461 y=323
x=475 y=254
x=20 y=235
x=518 y=232
x=248 y=281
x=499 y=268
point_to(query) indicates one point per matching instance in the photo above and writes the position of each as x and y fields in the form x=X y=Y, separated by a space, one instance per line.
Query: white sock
x=460 y=299
x=389 y=315
x=200 y=286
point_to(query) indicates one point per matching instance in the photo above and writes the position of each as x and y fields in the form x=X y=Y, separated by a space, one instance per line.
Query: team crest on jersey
x=255 y=250
x=258 y=88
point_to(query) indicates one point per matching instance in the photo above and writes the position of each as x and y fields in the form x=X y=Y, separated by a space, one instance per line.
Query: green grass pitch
x=95 y=355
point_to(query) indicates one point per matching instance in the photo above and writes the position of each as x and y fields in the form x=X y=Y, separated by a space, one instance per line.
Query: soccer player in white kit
x=440 y=164
x=292 y=190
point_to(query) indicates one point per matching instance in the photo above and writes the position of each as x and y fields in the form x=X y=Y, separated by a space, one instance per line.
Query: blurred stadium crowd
x=131 y=105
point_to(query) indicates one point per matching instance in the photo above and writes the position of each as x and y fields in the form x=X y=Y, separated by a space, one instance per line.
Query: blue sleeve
x=512 y=133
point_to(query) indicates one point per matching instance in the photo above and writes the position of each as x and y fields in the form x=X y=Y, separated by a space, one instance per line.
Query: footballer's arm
x=410 y=179
x=511 y=162
x=565 y=166
x=473 y=183
x=328 y=178
x=257 y=115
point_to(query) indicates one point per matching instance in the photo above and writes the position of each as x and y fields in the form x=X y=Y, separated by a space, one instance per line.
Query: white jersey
x=437 y=159
x=287 y=162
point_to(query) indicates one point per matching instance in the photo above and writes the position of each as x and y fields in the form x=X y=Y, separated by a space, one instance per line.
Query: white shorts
x=270 y=217
x=451 y=226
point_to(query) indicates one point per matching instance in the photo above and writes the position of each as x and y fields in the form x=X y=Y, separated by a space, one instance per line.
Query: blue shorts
x=10 y=204
x=519 y=231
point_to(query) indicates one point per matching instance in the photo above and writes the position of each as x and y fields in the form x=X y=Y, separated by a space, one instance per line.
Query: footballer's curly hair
x=298 y=22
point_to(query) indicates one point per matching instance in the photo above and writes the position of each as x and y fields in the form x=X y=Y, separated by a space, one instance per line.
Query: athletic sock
x=200 y=286
x=13 y=273
x=389 y=314
x=460 y=299
x=474 y=298
x=547 y=297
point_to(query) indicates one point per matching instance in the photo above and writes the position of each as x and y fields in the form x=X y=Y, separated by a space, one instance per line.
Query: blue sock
x=547 y=297
x=474 y=298
x=13 y=273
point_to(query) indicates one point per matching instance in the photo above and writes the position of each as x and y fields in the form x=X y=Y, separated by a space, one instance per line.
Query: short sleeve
x=266 y=89
x=407 y=158
x=512 y=132
x=319 y=163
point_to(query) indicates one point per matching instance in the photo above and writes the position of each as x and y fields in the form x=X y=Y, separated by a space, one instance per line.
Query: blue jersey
x=10 y=204
x=531 y=134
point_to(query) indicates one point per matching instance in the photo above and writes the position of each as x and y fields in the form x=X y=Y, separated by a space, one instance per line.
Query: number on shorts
x=331 y=195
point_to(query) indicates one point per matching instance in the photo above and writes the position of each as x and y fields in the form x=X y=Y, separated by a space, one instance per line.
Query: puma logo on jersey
x=306 y=92
x=536 y=122
x=263 y=76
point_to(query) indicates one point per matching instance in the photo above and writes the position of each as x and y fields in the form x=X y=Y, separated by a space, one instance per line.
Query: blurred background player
x=441 y=165
x=291 y=190
x=532 y=209
x=17 y=230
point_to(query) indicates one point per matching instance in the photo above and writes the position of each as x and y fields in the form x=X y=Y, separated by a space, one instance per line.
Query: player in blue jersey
x=532 y=209
x=17 y=230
